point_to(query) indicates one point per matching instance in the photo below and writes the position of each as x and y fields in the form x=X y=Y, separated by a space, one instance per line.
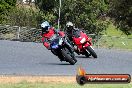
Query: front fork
x=85 y=45
x=70 y=48
x=69 y=45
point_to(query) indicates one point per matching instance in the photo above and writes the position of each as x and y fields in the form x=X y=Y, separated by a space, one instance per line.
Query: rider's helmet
x=45 y=26
x=69 y=26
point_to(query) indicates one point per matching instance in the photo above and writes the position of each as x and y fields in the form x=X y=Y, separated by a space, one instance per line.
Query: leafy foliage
x=91 y=15
x=5 y=6
x=85 y=13
x=121 y=11
x=45 y=5
x=27 y=17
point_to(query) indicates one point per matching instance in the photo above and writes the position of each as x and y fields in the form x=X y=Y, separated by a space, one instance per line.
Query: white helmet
x=68 y=24
x=45 y=26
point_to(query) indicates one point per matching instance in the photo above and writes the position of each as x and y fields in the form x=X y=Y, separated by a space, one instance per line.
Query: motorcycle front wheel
x=91 y=51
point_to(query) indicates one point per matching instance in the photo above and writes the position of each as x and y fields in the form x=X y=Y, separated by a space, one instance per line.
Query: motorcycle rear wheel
x=68 y=57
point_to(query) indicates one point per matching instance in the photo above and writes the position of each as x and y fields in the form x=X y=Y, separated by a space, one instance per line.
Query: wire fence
x=25 y=34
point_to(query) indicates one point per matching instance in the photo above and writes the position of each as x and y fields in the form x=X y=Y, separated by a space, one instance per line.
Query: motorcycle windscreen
x=54 y=46
x=77 y=33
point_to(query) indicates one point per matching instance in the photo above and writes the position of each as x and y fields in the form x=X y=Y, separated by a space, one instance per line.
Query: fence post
x=98 y=40
x=18 y=33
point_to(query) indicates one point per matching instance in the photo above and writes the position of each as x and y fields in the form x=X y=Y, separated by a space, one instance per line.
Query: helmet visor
x=69 y=28
x=45 y=29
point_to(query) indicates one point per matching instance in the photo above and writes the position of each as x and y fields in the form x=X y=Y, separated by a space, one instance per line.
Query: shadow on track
x=84 y=57
x=58 y=63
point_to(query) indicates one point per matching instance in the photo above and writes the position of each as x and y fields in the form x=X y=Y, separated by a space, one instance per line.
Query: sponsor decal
x=82 y=78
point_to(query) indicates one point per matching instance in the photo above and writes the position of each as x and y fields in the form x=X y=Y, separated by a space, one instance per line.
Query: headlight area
x=54 y=46
x=83 y=40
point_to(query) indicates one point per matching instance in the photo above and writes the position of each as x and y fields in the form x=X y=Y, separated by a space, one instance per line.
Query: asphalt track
x=28 y=58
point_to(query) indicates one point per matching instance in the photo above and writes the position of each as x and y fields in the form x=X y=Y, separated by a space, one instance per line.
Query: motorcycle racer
x=48 y=32
x=71 y=32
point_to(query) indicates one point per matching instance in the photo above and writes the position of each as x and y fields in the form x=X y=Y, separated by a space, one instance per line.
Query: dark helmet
x=45 y=26
x=69 y=26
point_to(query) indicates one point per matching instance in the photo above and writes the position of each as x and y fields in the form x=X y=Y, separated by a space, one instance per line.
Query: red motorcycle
x=83 y=44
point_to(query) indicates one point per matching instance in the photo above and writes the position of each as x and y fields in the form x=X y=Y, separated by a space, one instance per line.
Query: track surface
x=27 y=58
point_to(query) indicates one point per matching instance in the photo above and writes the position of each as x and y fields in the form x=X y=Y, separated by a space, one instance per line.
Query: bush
x=22 y=16
x=5 y=6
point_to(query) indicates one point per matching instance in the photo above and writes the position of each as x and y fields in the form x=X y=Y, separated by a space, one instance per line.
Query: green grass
x=113 y=31
x=62 y=85
x=117 y=43
x=118 y=40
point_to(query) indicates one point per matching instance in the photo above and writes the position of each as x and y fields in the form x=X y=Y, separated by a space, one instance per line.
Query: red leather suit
x=46 y=36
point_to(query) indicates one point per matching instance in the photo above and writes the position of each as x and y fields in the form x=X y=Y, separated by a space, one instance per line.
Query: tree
x=5 y=6
x=85 y=14
x=121 y=12
x=45 y=5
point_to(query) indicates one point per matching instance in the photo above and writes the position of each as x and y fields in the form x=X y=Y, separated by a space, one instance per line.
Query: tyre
x=73 y=56
x=91 y=51
x=61 y=58
x=68 y=58
x=87 y=54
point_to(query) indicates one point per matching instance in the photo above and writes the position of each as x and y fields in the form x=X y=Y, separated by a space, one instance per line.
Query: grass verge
x=61 y=85
x=114 y=38
x=50 y=82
